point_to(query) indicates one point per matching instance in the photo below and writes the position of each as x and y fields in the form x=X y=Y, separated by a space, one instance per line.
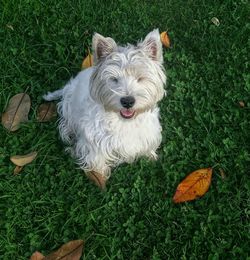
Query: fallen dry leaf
x=98 y=179
x=18 y=169
x=69 y=251
x=21 y=160
x=241 y=103
x=222 y=173
x=215 y=21
x=16 y=112
x=37 y=256
x=193 y=186
x=87 y=62
x=46 y=112
x=165 y=39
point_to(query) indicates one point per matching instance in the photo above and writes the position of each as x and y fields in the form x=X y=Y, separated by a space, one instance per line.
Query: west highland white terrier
x=108 y=112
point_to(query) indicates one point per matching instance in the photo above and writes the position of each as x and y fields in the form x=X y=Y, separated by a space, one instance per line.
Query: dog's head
x=128 y=80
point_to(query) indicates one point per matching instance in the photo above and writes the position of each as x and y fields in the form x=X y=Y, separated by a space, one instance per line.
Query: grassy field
x=51 y=202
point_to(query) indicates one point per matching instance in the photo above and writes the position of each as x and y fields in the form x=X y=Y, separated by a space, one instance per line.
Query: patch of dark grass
x=51 y=202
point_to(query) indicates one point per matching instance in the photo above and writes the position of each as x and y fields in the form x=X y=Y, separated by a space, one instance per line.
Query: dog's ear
x=152 y=46
x=102 y=46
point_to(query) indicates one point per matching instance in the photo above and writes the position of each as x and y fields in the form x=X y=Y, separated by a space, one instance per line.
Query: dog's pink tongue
x=127 y=113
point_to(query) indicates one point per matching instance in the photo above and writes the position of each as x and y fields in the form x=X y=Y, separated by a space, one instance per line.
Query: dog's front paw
x=153 y=156
x=98 y=179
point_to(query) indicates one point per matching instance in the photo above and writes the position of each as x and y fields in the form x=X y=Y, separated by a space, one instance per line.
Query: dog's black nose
x=128 y=101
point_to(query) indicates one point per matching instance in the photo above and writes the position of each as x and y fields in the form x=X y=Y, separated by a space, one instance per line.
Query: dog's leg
x=152 y=156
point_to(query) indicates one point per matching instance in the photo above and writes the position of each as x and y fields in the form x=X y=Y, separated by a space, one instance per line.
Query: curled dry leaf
x=21 y=160
x=165 y=39
x=87 y=62
x=37 y=256
x=69 y=251
x=16 y=112
x=46 y=112
x=98 y=179
x=215 y=21
x=193 y=186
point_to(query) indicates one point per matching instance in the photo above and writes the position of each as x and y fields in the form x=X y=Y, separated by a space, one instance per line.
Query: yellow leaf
x=165 y=39
x=21 y=160
x=87 y=62
x=194 y=185
x=16 y=112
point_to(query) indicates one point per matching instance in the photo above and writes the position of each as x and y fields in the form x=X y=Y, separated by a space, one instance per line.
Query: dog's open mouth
x=127 y=113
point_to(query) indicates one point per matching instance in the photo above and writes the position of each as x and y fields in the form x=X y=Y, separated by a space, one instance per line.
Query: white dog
x=108 y=113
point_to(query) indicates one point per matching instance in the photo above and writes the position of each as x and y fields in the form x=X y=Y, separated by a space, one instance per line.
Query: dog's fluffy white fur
x=100 y=131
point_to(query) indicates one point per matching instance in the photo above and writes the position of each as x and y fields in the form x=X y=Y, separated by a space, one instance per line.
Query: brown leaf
x=241 y=103
x=87 y=62
x=37 y=256
x=21 y=160
x=193 y=186
x=165 y=39
x=16 y=112
x=69 y=251
x=98 y=179
x=18 y=169
x=46 y=112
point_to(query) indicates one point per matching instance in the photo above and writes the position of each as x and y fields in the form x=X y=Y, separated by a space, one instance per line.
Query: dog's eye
x=140 y=79
x=115 y=80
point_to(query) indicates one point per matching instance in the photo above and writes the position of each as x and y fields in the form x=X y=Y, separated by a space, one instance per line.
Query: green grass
x=51 y=202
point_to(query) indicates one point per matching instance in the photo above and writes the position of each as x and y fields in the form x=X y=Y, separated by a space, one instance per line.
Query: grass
x=51 y=202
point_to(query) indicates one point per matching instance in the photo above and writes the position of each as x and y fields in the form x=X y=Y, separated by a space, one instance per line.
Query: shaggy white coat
x=91 y=120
